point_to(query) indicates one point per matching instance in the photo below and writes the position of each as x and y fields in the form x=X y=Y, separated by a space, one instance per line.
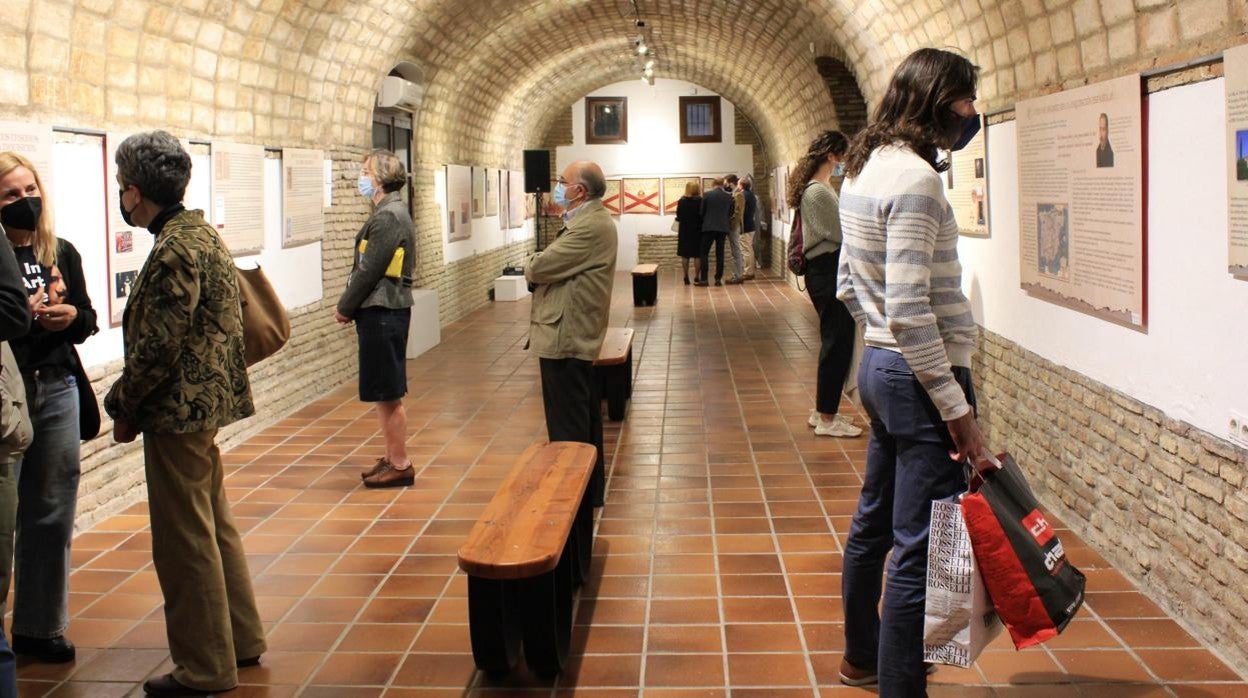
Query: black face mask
x=125 y=215
x=970 y=127
x=22 y=214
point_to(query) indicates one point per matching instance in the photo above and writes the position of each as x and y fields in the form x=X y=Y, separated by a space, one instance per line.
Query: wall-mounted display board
x=673 y=190
x=515 y=199
x=31 y=141
x=782 y=179
x=641 y=195
x=238 y=196
x=1082 y=235
x=303 y=196
x=614 y=198
x=775 y=194
x=128 y=245
x=491 y=192
x=968 y=193
x=458 y=202
x=1235 y=63
x=478 y=192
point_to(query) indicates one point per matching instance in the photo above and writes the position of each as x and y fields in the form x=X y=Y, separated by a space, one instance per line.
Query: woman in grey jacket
x=378 y=299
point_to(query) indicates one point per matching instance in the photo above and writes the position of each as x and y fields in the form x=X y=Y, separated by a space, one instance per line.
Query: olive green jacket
x=574 y=276
x=183 y=331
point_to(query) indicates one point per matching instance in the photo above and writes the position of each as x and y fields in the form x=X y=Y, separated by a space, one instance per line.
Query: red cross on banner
x=641 y=196
x=611 y=200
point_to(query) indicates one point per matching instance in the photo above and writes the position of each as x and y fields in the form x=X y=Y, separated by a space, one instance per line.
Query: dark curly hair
x=155 y=163
x=827 y=143
x=917 y=109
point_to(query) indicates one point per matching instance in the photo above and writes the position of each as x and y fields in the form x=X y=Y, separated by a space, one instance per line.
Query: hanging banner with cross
x=611 y=200
x=673 y=190
x=641 y=195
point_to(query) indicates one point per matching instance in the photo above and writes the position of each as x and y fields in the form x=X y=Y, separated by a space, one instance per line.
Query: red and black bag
x=1034 y=588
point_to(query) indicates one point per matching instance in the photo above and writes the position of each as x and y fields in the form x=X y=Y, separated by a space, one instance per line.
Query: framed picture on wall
x=606 y=120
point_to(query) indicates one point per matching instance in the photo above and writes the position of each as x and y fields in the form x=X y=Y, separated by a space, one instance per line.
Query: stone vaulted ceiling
x=288 y=73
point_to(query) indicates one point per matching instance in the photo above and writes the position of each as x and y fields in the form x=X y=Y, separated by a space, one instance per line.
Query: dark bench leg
x=583 y=535
x=494 y=624
x=645 y=290
x=547 y=605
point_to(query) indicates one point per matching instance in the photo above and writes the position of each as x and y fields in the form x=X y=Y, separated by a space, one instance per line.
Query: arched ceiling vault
x=306 y=71
x=507 y=94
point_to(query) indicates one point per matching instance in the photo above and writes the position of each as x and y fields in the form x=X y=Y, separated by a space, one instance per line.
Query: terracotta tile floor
x=716 y=570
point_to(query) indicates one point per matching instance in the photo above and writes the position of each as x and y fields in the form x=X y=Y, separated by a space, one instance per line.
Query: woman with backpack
x=812 y=197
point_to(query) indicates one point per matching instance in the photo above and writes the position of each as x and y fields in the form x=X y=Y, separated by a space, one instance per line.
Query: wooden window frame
x=716 y=120
x=620 y=103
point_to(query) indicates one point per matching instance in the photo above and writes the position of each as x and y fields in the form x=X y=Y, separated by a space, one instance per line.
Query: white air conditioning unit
x=400 y=94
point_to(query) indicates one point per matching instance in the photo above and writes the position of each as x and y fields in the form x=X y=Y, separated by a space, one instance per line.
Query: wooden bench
x=525 y=556
x=614 y=367
x=645 y=284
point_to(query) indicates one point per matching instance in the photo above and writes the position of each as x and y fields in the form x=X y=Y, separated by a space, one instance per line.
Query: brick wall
x=847 y=103
x=1163 y=501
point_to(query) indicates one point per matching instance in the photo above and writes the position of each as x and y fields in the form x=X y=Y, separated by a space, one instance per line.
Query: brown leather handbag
x=266 y=326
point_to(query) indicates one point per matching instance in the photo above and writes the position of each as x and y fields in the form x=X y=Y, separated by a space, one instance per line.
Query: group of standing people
x=184 y=378
x=727 y=211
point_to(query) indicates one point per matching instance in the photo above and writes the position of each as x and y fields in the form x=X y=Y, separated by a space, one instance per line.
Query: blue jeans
x=908 y=466
x=8 y=670
x=47 y=494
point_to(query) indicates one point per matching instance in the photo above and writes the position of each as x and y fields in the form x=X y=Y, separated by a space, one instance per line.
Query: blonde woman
x=63 y=411
x=378 y=299
x=689 y=233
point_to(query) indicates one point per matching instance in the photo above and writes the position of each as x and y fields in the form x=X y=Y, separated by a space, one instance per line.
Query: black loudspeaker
x=536 y=171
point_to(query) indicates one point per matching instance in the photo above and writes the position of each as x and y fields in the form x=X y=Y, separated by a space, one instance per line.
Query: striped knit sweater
x=900 y=273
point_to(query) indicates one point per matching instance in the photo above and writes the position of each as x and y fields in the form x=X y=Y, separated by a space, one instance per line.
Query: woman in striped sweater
x=900 y=275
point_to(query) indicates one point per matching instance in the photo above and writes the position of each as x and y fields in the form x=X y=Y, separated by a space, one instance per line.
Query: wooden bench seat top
x=615 y=346
x=645 y=270
x=522 y=531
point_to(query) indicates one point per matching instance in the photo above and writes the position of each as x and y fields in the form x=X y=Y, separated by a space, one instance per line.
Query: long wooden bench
x=526 y=555
x=645 y=284
x=614 y=367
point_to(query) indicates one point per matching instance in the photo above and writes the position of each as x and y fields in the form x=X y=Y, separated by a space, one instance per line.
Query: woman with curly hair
x=812 y=197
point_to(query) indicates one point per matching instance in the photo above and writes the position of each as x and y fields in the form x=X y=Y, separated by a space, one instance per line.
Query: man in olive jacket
x=184 y=378
x=571 y=305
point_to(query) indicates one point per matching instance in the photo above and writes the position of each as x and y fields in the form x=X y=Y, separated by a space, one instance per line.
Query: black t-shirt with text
x=39 y=348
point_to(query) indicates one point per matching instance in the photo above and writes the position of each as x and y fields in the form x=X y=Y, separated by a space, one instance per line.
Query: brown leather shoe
x=168 y=687
x=853 y=676
x=390 y=476
x=380 y=465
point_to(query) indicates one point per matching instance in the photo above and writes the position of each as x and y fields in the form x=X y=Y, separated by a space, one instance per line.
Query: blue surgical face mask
x=365 y=186
x=838 y=170
x=561 y=195
x=970 y=127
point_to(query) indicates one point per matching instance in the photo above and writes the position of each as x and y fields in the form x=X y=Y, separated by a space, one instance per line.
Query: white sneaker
x=839 y=426
x=813 y=419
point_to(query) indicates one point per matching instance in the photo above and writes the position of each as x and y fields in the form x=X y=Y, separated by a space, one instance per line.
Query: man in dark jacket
x=749 y=226
x=716 y=220
x=184 y=378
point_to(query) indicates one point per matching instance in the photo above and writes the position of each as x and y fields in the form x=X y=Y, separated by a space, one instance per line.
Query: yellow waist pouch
x=394 y=269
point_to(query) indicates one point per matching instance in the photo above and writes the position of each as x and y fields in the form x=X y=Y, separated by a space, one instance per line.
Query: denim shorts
x=382 y=334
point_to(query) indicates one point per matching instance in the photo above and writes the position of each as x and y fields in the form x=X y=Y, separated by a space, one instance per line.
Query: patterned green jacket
x=183 y=333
